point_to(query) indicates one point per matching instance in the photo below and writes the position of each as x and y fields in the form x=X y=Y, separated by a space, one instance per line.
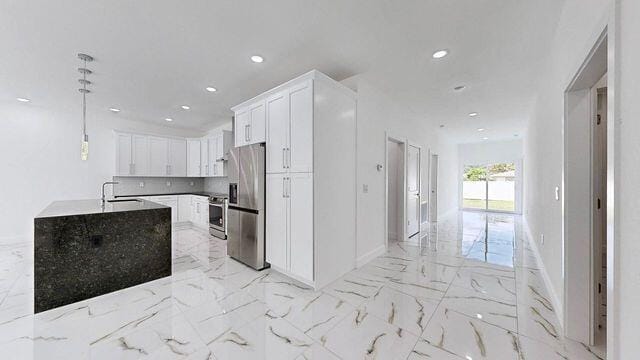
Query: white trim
x=364 y=259
x=555 y=300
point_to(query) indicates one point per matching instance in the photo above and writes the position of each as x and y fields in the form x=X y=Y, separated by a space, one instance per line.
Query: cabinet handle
x=288 y=187
x=284 y=187
x=206 y=169
x=133 y=169
x=284 y=158
x=288 y=158
x=168 y=171
x=246 y=133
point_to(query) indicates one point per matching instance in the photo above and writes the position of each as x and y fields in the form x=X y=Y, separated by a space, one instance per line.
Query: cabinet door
x=219 y=147
x=301 y=143
x=257 y=122
x=300 y=193
x=241 y=127
x=204 y=214
x=184 y=208
x=123 y=155
x=140 y=155
x=204 y=158
x=158 y=156
x=277 y=132
x=276 y=221
x=193 y=157
x=177 y=157
x=212 y=144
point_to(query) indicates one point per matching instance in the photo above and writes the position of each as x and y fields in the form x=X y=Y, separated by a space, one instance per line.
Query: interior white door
x=276 y=233
x=300 y=152
x=140 y=155
x=193 y=157
x=123 y=154
x=177 y=157
x=413 y=190
x=277 y=132
x=433 y=189
x=257 y=122
x=300 y=194
x=158 y=156
x=241 y=127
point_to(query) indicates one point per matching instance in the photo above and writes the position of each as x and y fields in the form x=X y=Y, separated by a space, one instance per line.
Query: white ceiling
x=153 y=56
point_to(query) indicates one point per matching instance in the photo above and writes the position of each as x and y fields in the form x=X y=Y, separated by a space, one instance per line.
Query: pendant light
x=84 y=150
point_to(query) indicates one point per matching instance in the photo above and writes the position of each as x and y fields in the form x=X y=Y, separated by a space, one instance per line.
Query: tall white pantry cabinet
x=310 y=135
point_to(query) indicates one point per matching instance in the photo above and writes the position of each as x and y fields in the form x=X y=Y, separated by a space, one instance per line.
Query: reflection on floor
x=469 y=289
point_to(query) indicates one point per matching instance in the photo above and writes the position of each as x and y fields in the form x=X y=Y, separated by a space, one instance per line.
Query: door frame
x=577 y=239
x=400 y=140
x=406 y=179
x=432 y=216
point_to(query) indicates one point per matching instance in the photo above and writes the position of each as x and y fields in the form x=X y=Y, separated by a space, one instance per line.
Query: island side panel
x=83 y=256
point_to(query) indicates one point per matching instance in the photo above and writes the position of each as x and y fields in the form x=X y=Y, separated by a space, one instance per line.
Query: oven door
x=216 y=216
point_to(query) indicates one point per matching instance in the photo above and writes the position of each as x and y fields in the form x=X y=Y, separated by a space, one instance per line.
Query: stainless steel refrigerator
x=245 y=215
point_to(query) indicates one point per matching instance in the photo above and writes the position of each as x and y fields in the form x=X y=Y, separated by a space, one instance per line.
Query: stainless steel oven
x=218 y=216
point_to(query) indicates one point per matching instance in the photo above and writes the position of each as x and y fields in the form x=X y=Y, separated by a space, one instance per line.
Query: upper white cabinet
x=193 y=157
x=310 y=135
x=250 y=124
x=204 y=157
x=147 y=155
x=132 y=154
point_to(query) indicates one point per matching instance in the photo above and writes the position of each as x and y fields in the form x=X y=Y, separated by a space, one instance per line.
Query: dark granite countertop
x=83 y=207
x=198 y=193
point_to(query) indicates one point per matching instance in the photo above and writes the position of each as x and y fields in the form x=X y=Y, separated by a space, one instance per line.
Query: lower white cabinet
x=184 y=208
x=200 y=211
x=289 y=224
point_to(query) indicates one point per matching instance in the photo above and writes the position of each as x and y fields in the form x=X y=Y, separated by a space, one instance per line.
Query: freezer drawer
x=245 y=241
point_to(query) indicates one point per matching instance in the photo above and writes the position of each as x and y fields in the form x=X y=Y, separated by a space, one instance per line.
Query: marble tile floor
x=468 y=289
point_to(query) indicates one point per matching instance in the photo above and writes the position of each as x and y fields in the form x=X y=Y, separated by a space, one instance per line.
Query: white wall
x=628 y=193
x=574 y=36
x=40 y=157
x=378 y=113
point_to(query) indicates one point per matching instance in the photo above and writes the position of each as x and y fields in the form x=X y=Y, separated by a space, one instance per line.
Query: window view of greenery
x=489 y=187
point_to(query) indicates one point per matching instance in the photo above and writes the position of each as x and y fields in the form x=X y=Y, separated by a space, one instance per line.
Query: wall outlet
x=542 y=239
x=168 y=183
x=141 y=184
x=365 y=188
x=191 y=183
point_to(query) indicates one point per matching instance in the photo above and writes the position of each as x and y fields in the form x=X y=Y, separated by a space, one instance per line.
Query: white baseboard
x=371 y=255
x=557 y=304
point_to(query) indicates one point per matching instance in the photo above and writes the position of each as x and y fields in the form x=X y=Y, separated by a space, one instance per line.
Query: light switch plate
x=168 y=183
x=557 y=193
x=141 y=184
x=365 y=188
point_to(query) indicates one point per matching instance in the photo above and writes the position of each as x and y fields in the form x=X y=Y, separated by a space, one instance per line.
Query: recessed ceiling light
x=115 y=110
x=257 y=59
x=472 y=114
x=485 y=138
x=168 y=119
x=515 y=135
x=441 y=125
x=459 y=88
x=185 y=107
x=211 y=89
x=480 y=129
x=25 y=100
x=479 y=316
x=440 y=54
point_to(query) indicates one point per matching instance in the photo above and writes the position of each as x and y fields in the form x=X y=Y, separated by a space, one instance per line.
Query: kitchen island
x=84 y=249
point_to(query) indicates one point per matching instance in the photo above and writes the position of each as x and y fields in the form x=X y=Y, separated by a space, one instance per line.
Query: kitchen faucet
x=106 y=183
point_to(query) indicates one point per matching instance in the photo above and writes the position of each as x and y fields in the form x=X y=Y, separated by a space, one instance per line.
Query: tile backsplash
x=156 y=185
x=218 y=185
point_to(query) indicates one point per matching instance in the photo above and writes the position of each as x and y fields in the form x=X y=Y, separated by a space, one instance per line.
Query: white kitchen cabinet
x=300 y=195
x=250 y=124
x=310 y=136
x=177 y=157
x=124 y=151
x=158 y=156
x=167 y=200
x=276 y=224
x=290 y=129
x=300 y=149
x=277 y=132
x=200 y=211
x=184 y=208
x=132 y=154
x=204 y=157
x=193 y=157
x=241 y=127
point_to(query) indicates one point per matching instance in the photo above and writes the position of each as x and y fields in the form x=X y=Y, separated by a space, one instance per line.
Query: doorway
x=395 y=190
x=490 y=187
x=585 y=201
x=413 y=190
x=433 y=188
